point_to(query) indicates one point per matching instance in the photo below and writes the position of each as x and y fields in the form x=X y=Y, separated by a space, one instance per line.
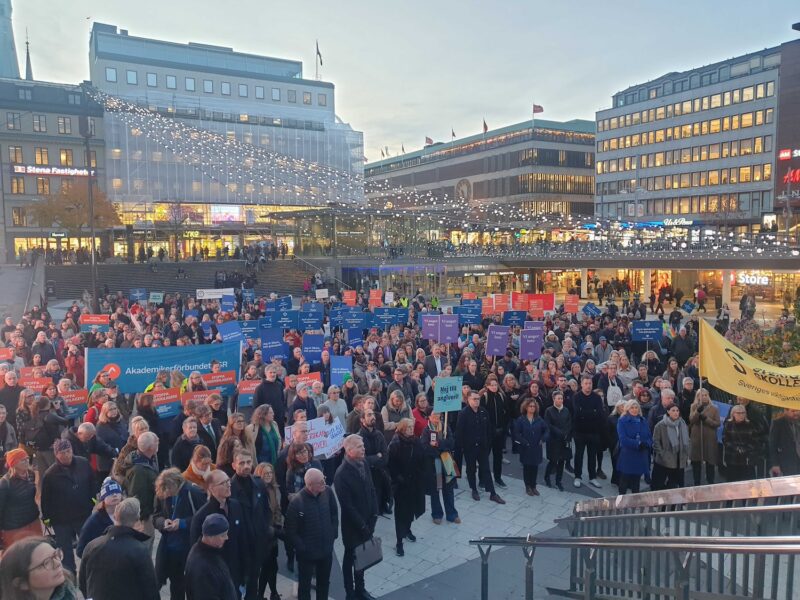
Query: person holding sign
x=440 y=470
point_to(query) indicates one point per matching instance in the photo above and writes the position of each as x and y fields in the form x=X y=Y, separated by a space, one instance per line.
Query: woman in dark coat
x=113 y=430
x=559 y=421
x=438 y=443
x=530 y=434
x=635 y=444
x=110 y=495
x=739 y=446
x=406 y=467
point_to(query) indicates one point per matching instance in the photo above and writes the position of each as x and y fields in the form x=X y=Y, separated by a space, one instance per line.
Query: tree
x=70 y=210
x=175 y=221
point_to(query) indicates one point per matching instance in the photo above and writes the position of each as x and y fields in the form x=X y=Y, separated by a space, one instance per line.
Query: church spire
x=28 y=67
x=9 y=67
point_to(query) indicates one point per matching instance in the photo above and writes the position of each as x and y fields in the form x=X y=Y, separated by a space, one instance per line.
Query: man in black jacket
x=312 y=524
x=208 y=429
x=207 y=574
x=67 y=497
x=588 y=424
x=237 y=549
x=474 y=435
x=270 y=391
x=85 y=442
x=118 y=565
x=375 y=453
x=784 y=441
x=359 y=512
x=252 y=495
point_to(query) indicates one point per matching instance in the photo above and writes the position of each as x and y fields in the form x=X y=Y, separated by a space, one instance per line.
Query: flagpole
x=316 y=62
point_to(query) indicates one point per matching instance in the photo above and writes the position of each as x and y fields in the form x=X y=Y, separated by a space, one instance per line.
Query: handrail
x=38 y=263
x=718 y=492
x=319 y=270
x=703 y=512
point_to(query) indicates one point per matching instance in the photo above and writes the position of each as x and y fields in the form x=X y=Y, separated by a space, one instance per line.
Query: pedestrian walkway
x=14 y=290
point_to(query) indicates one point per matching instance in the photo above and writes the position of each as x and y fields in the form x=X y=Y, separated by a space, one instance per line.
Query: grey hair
x=127 y=512
x=146 y=441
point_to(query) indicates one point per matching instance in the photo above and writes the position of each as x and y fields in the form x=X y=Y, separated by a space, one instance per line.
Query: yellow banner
x=731 y=369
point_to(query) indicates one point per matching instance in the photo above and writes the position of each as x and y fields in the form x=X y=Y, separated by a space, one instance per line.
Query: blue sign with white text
x=272 y=344
x=646 y=331
x=340 y=365
x=138 y=295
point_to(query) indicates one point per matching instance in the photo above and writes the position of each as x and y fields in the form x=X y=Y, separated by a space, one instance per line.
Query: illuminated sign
x=51 y=171
x=788 y=153
x=752 y=279
x=678 y=222
x=792 y=176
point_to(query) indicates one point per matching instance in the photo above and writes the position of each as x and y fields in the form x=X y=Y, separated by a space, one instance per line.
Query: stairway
x=280 y=276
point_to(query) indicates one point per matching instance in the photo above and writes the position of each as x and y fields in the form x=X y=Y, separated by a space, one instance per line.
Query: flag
x=453 y=133
x=402 y=148
x=485 y=126
x=382 y=154
x=319 y=54
x=537 y=108
x=428 y=141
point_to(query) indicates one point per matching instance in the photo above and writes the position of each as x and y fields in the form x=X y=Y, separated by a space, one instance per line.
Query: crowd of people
x=225 y=487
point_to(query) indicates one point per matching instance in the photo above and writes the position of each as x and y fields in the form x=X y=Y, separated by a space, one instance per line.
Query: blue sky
x=406 y=70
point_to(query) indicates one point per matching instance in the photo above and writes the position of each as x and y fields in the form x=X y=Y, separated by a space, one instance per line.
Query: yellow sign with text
x=731 y=369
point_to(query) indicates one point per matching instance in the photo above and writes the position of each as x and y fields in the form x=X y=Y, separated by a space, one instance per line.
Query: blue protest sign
x=286 y=319
x=227 y=303
x=248 y=295
x=284 y=303
x=447 y=394
x=270 y=306
x=336 y=317
x=137 y=368
x=646 y=331
x=472 y=302
x=448 y=329
x=206 y=327
x=354 y=320
x=272 y=344
x=230 y=331
x=313 y=307
x=468 y=315
x=138 y=295
x=401 y=316
x=688 y=306
x=514 y=318
x=249 y=329
x=340 y=365
x=530 y=344
x=592 y=310
x=312 y=347
x=430 y=327
x=355 y=337
x=309 y=321
x=497 y=340
x=384 y=317
x=191 y=313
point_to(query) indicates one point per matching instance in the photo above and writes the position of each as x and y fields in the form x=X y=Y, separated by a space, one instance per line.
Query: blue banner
x=592 y=310
x=312 y=347
x=227 y=303
x=313 y=307
x=191 y=313
x=309 y=321
x=468 y=315
x=248 y=295
x=339 y=366
x=515 y=318
x=688 y=306
x=286 y=319
x=646 y=331
x=355 y=337
x=472 y=302
x=284 y=303
x=249 y=329
x=138 y=295
x=272 y=344
x=336 y=317
x=355 y=320
x=230 y=331
x=384 y=317
x=137 y=368
x=206 y=327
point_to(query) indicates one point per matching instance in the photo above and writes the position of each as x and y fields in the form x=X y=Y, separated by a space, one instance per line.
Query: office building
x=282 y=128
x=699 y=147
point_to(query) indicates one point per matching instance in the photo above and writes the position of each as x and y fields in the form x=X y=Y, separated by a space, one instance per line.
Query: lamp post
x=87 y=134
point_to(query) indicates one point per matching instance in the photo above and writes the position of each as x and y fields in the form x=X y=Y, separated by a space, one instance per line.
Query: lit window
x=41 y=156
x=172 y=82
x=116 y=183
x=66 y=157
x=132 y=77
x=111 y=74
x=306 y=97
x=152 y=80
x=15 y=155
x=744 y=174
x=747 y=94
x=43 y=185
x=17 y=185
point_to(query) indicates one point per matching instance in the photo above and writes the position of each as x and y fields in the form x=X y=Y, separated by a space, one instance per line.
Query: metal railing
x=312 y=268
x=37 y=280
x=676 y=581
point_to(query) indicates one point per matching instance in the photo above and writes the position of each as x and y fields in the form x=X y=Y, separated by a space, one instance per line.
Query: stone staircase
x=280 y=276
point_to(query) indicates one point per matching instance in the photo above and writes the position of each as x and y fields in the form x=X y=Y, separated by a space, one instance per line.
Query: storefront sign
x=678 y=222
x=752 y=279
x=50 y=171
x=788 y=153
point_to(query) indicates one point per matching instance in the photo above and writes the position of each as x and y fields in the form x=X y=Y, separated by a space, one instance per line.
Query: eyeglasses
x=50 y=563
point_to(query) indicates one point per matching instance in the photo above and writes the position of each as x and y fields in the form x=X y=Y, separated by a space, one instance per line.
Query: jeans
x=306 y=569
x=478 y=458
x=65 y=534
x=498 y=445
x=530 y=473
x=591 y=443
x=446 y=493
x=629 y=482
x=665 y=478
x=353 y=580
x=696 y=467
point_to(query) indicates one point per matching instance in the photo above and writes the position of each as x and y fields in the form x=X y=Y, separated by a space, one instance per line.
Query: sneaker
x=506 y=461
x=457 y=521
x=500 y=483
x=411 y=537
x=601 y=475
x=399 y=550
x=496 y=498
x=475 y=495
x=577 y=482
x=594 y=483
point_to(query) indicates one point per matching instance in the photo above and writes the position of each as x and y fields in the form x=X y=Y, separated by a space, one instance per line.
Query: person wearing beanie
x=19 y=514
x=302 y=401
x=110 y=495
x=207 y=574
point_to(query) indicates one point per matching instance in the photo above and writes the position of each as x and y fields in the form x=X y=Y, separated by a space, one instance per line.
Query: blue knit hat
x=109 y=488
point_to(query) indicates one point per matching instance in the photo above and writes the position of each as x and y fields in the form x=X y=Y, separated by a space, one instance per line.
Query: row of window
x=735 y=148
x=140 y=185
x=745 y=94
x=42 y=156
x=42 y=185
x=734 y=175
x=26 y=93
x=719 y=204
x=225 y=87
x=548 y=183
x=679 y=132
x=63 y=124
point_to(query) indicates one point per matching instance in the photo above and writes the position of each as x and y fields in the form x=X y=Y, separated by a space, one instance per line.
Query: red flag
x=428 y=141
x=537 y=108
x=485 y=126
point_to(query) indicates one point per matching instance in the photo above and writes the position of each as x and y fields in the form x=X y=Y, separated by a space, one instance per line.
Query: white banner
x=322 y=294
x=213 y=294
x=326 y=439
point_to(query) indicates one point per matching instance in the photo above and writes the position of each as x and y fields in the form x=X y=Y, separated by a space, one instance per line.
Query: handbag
x=368 y=554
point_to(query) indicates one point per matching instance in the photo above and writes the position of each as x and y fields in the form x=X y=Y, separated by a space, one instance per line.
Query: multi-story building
x=528 y=169
x=193 y=99
x=696 y=147
x=41 y=153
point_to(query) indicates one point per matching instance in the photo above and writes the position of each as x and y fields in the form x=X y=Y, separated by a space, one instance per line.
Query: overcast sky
x=416 y=68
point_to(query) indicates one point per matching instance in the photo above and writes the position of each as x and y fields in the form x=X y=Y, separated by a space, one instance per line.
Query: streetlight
x=85 y=129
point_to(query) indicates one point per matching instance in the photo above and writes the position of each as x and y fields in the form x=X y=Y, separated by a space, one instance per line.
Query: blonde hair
x=403 y=425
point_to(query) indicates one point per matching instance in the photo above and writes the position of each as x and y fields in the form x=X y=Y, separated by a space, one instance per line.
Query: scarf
x=272 y=441
x=674 y=432
x=444 y=466
x=360 y=466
